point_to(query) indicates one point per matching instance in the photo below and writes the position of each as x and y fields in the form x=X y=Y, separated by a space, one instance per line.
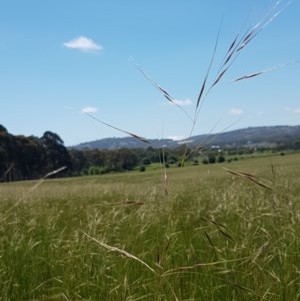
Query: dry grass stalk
x=7 y=171
x=120 y=251
x=259 y=181
x=49 y=174
x=116 y=128
x=160 y=89
x=202 y=265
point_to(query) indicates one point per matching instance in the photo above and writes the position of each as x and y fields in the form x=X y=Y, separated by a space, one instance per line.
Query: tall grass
x=115 y=237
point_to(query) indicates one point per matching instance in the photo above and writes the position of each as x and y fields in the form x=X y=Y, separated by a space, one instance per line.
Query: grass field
x=214 y=236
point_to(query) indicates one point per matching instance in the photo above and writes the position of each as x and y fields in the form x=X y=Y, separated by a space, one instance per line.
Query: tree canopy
x=25 y=158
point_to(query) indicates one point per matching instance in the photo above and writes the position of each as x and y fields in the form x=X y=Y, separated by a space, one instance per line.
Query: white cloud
x=235 y=111
x=176 y=138
x=297 y=110
x=290 y=110
x=83 y=44
x=185 y=102
x=89 y=110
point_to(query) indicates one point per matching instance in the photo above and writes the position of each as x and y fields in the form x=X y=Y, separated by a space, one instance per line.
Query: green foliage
x=204 y=161
x=296 y=144
x=146 y=161
x=172 y=159
x=211 y=158
x=142 y=168
x=221 y=159
x=95 y=170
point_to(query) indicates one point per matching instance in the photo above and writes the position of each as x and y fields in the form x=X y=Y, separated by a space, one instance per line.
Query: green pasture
x=191 y=233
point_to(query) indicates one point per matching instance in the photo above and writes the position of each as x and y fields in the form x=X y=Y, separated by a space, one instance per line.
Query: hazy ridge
x=256 y=136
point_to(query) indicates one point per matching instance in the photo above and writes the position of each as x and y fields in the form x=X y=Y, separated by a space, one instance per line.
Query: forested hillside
x=276 y=136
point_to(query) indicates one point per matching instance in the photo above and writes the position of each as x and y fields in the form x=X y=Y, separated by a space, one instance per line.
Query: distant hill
x=126 y=142
x=252 y=136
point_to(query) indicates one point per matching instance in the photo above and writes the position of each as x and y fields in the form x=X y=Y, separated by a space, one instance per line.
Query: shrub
x=146 y=161
x=221 y=159
x=212 y=159
x=204 y=161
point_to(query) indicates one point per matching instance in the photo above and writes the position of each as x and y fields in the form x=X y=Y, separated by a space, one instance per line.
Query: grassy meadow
x=213 y=235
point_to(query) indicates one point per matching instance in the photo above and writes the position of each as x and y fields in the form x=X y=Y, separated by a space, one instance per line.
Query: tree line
x=27 y=158
x=100 y=161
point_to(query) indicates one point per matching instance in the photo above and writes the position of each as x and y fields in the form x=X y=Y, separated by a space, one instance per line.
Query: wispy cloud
x=287 y=109
x=235 y=111
x=292 y=110
x=185 y=102
x=176 y=138
x=89 y=110
x=83 y=44
x=297 y=110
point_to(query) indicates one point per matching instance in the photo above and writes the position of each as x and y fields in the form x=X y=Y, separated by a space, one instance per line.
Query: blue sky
x=62 y=58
